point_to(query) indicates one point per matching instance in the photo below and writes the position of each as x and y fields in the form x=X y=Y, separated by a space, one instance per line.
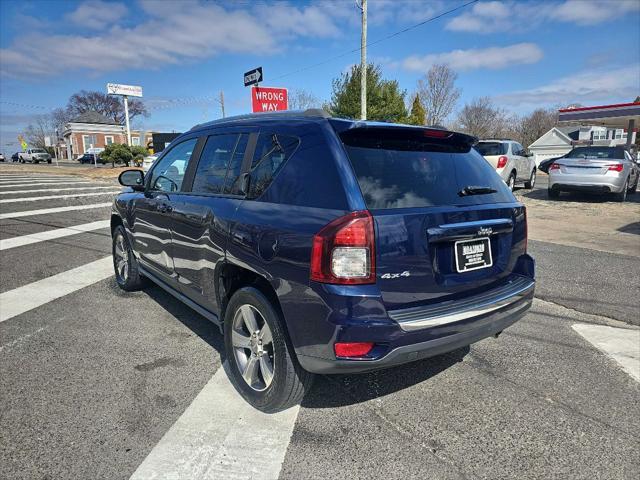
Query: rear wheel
x=260 y=362
x=511 y=181
x=532 y=180
x=634 y=188
x=125 y=264
x=622 y=195
x=553 y=193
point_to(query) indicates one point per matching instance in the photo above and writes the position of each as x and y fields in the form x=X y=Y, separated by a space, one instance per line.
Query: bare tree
x=301 y=99
x=108 y=105
x=438 y=93
x=37 y=131
x=531 y=127
x=482 y=119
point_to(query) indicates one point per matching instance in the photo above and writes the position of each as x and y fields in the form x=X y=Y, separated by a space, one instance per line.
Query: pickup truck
x=34 y=155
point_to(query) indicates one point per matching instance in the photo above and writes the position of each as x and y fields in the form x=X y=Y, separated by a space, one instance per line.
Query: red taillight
x=502 y=161
x=437 y=133
x=353 y=349
x=616 y=167
x=554 y=166
x=343 y=252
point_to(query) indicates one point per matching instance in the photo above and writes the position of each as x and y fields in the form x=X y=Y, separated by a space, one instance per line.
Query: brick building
x=94 y=129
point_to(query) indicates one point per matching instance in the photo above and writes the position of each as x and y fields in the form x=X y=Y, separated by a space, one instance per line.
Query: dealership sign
x=128 y=90
x=268 y=99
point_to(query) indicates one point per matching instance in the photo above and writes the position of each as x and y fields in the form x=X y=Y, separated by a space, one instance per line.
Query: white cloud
x=588 y=87
x=476 y=58
x=171 y=32
x=513 y=16
x=97 y=14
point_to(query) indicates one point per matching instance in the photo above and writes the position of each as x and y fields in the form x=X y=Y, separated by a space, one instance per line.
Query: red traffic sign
x=268 y=99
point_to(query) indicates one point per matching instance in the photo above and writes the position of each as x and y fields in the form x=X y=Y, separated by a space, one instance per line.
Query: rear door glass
x=398 y=173
x=212 y=169
x=272 y=151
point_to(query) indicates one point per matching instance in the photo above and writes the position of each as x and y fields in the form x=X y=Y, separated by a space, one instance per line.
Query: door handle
x=165 y=208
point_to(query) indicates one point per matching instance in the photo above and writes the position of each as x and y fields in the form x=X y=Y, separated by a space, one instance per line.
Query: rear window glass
x=272 y=151
x=491 y=148
x=398 y=173
x=595 y=152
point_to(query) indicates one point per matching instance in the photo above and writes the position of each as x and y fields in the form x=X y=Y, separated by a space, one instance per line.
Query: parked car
x=322 y=245
x=15 y=157
x=545 y=164
x=89 y=158
x=34 y=155
x=595 y=170
x=147 y=162
x=510 y=160
x=1 y=157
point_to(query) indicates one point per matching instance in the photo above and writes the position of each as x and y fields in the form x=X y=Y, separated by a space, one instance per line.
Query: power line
x=391 y=35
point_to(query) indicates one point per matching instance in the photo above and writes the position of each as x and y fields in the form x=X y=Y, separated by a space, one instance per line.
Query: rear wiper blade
x=475 y=190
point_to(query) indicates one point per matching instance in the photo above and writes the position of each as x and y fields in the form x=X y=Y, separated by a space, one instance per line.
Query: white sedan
x=147 y=162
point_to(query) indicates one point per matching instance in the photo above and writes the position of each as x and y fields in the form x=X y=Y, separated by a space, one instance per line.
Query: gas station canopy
x=615 y=116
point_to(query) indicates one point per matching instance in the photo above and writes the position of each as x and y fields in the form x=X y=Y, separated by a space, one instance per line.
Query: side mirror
x=133 y=179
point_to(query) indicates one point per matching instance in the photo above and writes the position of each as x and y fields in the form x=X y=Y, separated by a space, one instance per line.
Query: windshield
x=491 y=148
x=396 y=173
x=38 y=150
x=596 y=152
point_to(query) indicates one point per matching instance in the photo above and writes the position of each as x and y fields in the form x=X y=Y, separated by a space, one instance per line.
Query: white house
x=560 y=140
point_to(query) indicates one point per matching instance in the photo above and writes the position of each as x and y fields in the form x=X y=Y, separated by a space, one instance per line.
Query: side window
x=214 y=161
x=231 y=183
x=272 y=151
x=168 y=174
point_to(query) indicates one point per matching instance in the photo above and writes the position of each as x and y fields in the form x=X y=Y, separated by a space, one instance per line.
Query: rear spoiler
x=351 y=129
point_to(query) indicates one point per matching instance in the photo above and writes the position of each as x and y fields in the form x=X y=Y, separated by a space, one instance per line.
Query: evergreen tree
x=417 y=115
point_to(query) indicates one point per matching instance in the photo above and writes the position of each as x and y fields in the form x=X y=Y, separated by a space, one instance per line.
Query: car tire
x=622 y=195
x=275 y=379
x=551 y=193
x=48 y=161
x=125 y=264
x=532 y=180
x=511 y=181
x=634 y=188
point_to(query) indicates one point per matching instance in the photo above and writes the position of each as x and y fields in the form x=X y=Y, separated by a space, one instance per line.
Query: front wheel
x=261 y=364
x=532 y=180
x=125 y=264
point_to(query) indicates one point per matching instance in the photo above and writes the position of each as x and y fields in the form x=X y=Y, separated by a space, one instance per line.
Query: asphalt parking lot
x=98 y=383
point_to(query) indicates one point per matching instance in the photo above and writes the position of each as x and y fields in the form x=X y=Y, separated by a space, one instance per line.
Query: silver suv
x=510 y=160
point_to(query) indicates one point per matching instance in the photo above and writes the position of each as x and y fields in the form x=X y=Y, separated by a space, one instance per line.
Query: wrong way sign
x=269 y=99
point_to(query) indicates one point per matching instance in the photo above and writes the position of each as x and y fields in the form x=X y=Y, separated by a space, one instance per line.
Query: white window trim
x=133 y=143
x=105 y=139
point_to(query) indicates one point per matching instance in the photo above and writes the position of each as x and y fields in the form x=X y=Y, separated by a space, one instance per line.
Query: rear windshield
x=491 y=148
x=595 y=152
x=398 y=173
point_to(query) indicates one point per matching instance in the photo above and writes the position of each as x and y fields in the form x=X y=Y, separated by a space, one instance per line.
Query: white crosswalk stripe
x=54 y=189
x=47 y=211
x=32 y=238
x=221 y=436
x=54 y=197
x=25 y=298
x=39 y=183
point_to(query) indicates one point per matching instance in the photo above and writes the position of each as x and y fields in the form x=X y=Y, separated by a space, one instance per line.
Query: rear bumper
x=428 y=332
x=607 y=184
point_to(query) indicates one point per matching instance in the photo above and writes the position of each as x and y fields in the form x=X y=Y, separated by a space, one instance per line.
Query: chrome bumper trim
x=452 y=311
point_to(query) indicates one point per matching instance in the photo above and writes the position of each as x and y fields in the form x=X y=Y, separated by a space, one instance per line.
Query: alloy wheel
x=121 y=258
x=512 y=182
x=253 y=347
x=532 y=181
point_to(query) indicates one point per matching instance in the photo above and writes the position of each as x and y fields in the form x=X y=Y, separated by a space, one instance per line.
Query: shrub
x=117 y=153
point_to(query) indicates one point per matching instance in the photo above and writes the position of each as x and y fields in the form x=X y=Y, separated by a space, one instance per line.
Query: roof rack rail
x=310 y=112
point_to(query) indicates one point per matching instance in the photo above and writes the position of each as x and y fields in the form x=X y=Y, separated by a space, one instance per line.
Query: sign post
x=125 y=91
x=269 y=99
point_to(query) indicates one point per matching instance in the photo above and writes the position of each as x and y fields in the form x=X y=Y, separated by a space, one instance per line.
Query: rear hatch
x=491 y=151
x=447 y=226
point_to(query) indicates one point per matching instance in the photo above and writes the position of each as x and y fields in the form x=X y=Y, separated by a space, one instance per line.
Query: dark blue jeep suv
x=323 y=245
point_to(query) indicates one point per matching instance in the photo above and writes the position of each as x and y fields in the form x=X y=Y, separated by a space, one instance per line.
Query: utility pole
x=222 y=102
x=362 y=5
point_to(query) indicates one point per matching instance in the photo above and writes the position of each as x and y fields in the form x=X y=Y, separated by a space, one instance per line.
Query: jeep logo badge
x=485 y=231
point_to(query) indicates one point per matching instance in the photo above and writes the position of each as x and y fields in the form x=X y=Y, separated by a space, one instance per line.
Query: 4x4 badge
x=485 y=231
x=406 y=273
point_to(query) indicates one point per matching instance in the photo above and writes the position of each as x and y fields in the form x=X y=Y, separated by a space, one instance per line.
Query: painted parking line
x=54 y=189
x=22 y=299
x=621 y=344
x=40 y=183
x=47 y=211
x=52 y=234
x=55 y=197
x=43 y=179
x=221 y=436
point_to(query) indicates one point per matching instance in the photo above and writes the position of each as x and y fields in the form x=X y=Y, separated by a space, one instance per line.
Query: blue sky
x=523 y=54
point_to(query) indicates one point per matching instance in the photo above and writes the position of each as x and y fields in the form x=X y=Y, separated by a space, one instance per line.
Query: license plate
x=473 y=254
